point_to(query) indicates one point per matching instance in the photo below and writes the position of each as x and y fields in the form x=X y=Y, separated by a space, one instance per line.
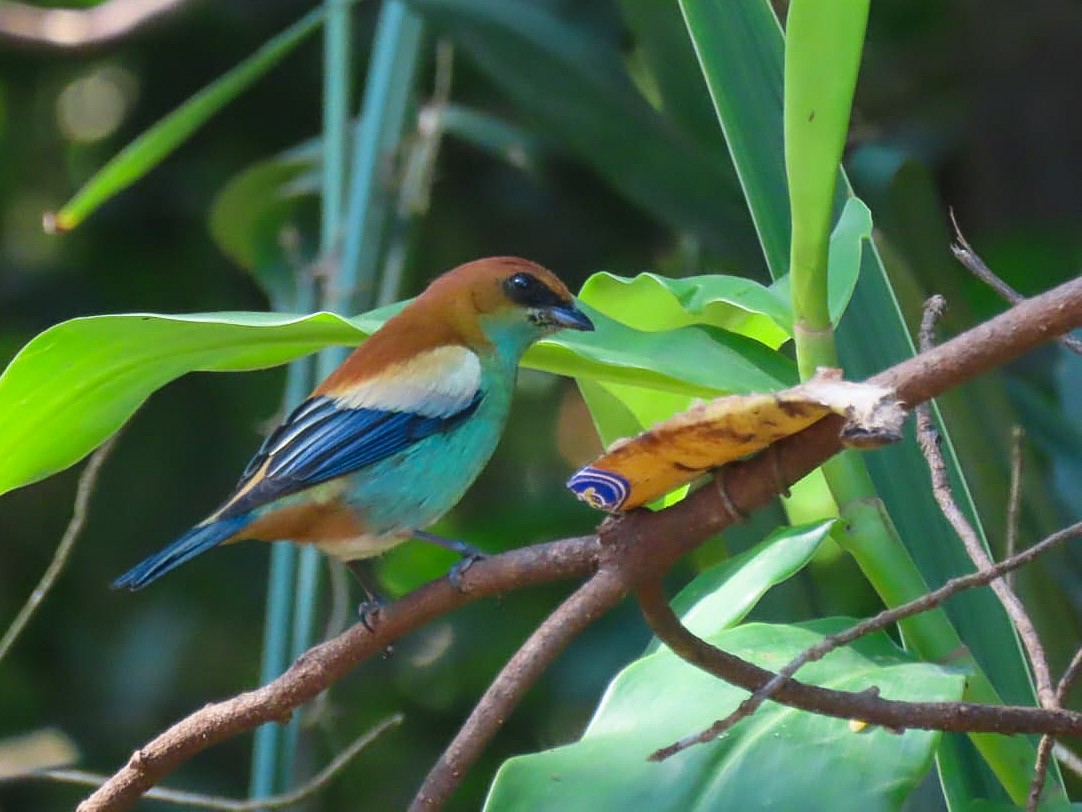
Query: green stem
x=337 y=71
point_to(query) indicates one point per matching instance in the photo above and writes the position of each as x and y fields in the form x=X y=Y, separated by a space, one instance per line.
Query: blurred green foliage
x=959 y=104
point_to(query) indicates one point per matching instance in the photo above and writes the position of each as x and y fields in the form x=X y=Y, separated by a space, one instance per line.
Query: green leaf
x=665 y=50
x=578 y=92
x=153 y=146
x=739 y=46
x=76 y=383
x=778 y=759
x=652 y=303
x=851 y=232
x=721 y=596
x=247 y=218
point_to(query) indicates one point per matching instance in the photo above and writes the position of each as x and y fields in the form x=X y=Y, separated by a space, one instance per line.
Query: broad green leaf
x=721 y=596
x=76 y=383
x=612 y=417
x=847 y=241
x=778 y=759
x=578 y=92
x=651 y=302
x=153 y=146
x=655 y=303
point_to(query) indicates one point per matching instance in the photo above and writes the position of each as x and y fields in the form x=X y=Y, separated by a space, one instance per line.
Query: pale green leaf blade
x=652 y=303
x=76 y=383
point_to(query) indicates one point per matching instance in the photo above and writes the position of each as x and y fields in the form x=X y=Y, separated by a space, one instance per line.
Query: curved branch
x=596 y=597
x=867 y=706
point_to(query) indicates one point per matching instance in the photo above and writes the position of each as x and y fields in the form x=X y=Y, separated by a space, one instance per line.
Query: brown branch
x=83 y=491
x=592 y=600
x=973 y=263
x=325 y=664
x=197 y=800
x=637 y=547
x=888 y=617
x=867 y=706
x=986 y=573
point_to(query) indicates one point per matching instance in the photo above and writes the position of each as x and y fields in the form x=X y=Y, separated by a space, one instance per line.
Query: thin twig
x=200 y=801
x=1040 y=772
x=1069 y=678
x=84 y=490
x=1048 y=742
x=889 y=617
x=972 y=261
x=592 y=600
x=1014 y=499
x=928 y=438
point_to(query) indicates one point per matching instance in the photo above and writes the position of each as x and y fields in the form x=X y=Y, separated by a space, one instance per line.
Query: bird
x=393 y=438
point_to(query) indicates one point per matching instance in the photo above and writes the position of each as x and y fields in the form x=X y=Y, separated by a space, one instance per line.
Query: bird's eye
x=521 y=281
x=527 y=290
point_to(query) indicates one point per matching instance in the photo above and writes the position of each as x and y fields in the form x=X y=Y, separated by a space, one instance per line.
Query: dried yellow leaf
x=708 y=435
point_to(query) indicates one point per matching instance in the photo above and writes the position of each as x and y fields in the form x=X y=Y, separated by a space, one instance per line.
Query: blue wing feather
x=321 y=441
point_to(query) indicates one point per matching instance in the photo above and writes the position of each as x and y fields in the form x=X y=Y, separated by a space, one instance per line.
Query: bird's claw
x=459 y=569
x=368 y=612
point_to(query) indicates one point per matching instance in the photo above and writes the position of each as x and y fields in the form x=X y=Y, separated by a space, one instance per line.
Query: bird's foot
x=459 y=569
x=368 y=611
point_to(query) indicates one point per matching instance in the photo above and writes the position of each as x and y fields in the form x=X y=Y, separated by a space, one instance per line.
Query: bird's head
x=506 y=301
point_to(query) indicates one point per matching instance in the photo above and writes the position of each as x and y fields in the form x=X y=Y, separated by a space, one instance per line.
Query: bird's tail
x=197 y=540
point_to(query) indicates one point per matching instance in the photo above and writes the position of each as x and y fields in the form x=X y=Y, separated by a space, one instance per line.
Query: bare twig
x=596 y=597
x=198 y=800
x=84 y=490
x=928 y=438
x=873 y=624
x=1048 y=742
x=972 y=261
x=639 y=547
x=1014 y=499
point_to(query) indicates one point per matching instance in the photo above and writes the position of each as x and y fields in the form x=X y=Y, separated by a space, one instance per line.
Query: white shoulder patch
x=434 y=383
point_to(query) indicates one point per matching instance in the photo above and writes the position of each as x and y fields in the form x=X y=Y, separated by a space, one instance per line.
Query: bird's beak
x=569 y=317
